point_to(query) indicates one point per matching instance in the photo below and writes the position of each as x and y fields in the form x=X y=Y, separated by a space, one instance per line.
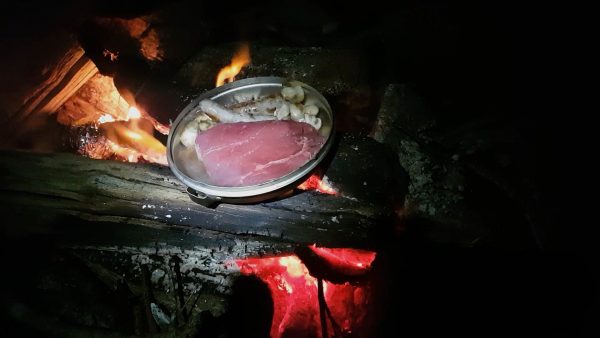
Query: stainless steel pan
x=188 y=168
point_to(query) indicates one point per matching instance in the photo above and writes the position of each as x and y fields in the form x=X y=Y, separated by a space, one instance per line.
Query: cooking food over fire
x=255 y=139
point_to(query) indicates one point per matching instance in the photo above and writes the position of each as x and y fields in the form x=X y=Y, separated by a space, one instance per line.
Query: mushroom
x=313 y=121
x=310 y=109
x=202 y=117
x=288 y=93
x=299 y=94
x=296 y=112
x=203 y=126
x=293 y=94
x=283 y=112
x=189 y=133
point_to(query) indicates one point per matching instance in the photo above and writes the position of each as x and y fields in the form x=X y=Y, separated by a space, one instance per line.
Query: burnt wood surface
x=47 y=186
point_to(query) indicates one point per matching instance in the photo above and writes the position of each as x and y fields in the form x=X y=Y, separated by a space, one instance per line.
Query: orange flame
x=315 y=182
x=239 y=60
x=132 y=139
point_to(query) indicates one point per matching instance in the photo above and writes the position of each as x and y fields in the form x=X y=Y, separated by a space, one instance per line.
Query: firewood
x=150 y=196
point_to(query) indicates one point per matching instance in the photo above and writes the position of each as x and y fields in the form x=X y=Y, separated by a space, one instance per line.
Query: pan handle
x=203 y=199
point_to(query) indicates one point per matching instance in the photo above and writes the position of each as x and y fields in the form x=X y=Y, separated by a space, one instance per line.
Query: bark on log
x=150 y=196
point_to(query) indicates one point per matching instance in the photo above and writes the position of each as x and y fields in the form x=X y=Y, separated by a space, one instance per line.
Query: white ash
x=157 y=276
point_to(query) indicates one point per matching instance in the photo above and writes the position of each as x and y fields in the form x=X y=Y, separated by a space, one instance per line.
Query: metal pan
x=188 y=168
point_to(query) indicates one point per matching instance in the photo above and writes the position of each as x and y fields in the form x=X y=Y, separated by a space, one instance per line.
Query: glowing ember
x=141 y=30
x=295 y=298
x=314 y=182
x=352 y=262
x=239 y=60
x=150 y=46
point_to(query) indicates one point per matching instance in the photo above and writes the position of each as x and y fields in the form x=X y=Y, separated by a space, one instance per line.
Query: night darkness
x=492 y=239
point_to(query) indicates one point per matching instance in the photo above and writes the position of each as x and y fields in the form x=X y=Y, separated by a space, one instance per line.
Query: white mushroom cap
x=283 y=112
x=296 y=112
x=189 y=133
x=299 y=94
x=310 y=109
x=288 y=93
x=293 y=94
x=313 y=121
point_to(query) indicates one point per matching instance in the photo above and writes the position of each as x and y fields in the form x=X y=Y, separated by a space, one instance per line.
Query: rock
x=401 y=112
x=436 y=190
x=381 y=179
x=157 y=276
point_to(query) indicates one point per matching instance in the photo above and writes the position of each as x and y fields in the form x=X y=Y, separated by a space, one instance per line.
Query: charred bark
x=150 y=196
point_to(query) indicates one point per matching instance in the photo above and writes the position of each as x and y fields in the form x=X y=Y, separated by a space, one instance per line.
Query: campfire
x=106 y=126
x=123 y=131
x=311 y=247
x=197 y=169
x=111 y=128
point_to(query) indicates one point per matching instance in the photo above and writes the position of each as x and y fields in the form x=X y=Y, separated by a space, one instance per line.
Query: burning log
x=148 y=195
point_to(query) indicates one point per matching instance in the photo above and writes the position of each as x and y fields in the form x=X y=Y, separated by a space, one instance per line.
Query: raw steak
x=248 y=153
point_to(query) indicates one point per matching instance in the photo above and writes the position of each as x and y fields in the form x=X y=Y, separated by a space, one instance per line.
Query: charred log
x=131 y=232
x=150 y=196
